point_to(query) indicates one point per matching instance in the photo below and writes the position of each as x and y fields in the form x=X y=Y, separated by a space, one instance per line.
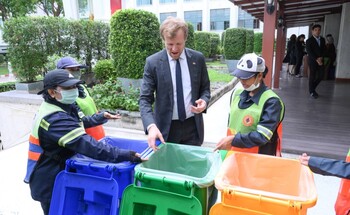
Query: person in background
x=299 y=54
x=58 y=133
x=256 y=111
x=84 y=101
x=330 y=57
x=315 y=47
x=176 y=81
x=290 y=57
x=337 y=168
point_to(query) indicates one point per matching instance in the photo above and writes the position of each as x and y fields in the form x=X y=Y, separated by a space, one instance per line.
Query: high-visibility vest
x=246 y=120
x=342 y=204
x=88 y=107
x=35 y=150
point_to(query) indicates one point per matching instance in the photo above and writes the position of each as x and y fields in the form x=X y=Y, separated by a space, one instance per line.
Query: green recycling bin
x=177 y=179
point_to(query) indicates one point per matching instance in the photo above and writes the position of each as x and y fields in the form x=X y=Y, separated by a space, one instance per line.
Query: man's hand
x=200 y=106
x=136 y=157
x=108 y=115
x=153 y=134
x=304 y=159
x=224 y=143
x=319 y=61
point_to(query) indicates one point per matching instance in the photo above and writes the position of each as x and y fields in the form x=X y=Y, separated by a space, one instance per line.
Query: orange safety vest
x=342 y=205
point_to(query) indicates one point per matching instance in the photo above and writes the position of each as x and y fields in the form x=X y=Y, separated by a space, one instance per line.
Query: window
x=219 y=19
x=143 y=2
x=163 y=16
x=83 y=9
x=166 y=1
x=245 y=20
x=195 y=18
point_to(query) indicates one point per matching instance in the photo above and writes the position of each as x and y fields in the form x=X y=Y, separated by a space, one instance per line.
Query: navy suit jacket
x=157 y=88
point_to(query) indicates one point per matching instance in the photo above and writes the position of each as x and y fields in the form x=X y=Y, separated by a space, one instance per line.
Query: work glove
x=135 y=157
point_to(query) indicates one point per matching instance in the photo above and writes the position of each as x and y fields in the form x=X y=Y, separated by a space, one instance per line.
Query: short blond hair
x=171 y=26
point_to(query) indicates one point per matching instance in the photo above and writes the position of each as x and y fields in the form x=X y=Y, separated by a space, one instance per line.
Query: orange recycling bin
x=253 y=184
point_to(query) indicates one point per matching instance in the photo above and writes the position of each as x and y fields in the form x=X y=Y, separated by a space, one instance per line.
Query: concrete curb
x=222 y=90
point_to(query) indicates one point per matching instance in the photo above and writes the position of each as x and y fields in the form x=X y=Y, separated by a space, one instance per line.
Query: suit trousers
x=184 y=132
x=315 y=76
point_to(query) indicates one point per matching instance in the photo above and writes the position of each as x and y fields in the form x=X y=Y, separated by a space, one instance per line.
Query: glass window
x=219 y=19
x=143 y=2
x=245 y=20
x=195 y=18
x=83 y=9
x=166 y=1
x=163 y=16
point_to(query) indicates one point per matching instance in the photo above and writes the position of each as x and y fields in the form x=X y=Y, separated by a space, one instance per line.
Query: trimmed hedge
x=190 y=36
x=104 y=70
x=235 y=43
x=249 y=46
x=33 y=39
x=7 y=86
x=202 y=42
x=134 y=36
x=214 y=44
x=258 y=42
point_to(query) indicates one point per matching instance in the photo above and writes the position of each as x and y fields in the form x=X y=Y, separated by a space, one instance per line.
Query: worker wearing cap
x=58 y=133
x=84 y=100
x=256 y=111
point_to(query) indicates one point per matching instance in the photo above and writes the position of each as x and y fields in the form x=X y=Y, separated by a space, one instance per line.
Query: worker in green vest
x=84 y=101
x=256 y=111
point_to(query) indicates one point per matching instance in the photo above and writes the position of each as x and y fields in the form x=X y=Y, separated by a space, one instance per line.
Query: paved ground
x=15 y=197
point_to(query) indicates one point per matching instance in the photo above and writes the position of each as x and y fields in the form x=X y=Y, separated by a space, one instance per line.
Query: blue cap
x=68 y=62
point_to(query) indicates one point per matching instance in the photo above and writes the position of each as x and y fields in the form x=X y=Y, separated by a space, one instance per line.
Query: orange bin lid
x=268 y=176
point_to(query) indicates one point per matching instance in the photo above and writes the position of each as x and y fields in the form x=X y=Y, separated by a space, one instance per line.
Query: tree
x=51 y=7
x=16 y=8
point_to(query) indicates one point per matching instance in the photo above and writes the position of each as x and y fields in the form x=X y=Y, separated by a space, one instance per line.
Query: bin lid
x=183 y=163
x=158 y=202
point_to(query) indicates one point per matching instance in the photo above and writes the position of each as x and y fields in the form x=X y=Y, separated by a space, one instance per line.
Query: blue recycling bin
x=89 y=186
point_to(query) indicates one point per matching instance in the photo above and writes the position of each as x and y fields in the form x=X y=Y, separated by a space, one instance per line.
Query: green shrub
x=258 y=42
x=7 y=86
x=134 y=36
x=202 y=42
x=234 y=44
x=111 y=96
x=249 y=46
x=190 y=37
x=214 y=44
x=104 y=70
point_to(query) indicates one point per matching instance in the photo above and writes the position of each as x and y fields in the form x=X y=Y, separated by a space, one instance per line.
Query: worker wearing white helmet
x=256 y=111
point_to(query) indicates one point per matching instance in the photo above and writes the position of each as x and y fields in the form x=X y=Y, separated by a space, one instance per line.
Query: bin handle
x=188 y=185
x=261 y=198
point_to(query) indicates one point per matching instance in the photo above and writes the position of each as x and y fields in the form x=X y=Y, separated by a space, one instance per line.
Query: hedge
x=235 y=43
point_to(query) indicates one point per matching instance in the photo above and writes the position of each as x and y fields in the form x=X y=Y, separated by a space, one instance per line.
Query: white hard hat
x=249 y=65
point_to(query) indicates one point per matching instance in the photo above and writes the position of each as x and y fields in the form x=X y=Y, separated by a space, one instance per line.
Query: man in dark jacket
x=315 y=47
x=58 y=133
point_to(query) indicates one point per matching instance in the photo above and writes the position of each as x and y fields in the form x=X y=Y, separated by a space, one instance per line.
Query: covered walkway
x=320 y=127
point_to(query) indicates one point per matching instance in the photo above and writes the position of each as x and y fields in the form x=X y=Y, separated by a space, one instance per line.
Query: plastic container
x=173 y=174
x=262 y=184
x=89 y=186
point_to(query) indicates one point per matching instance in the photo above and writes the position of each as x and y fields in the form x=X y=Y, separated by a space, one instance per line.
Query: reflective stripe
x=33 y=140
x=33 y=155
x=70 y=136
x=44 y=124
x=264 y=131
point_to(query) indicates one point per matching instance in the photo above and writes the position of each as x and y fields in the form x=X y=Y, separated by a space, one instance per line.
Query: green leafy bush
x=249 y=45
x=7 y=86
x=202 y=42
x=214 y=44
x=190 y=36
x=258 y=42
x=111 y=96
x=104 y=70
x=234 y=44
x=134 y=36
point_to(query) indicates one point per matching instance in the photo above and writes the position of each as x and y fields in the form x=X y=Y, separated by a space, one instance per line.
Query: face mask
x=68 y=96
x=76 y=74
x=253 y=86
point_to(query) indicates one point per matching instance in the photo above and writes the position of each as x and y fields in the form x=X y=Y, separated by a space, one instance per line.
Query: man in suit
x=177 y=114
x=315 y=47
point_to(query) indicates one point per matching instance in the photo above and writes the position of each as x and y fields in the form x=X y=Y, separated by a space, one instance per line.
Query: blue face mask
x=68 y=96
